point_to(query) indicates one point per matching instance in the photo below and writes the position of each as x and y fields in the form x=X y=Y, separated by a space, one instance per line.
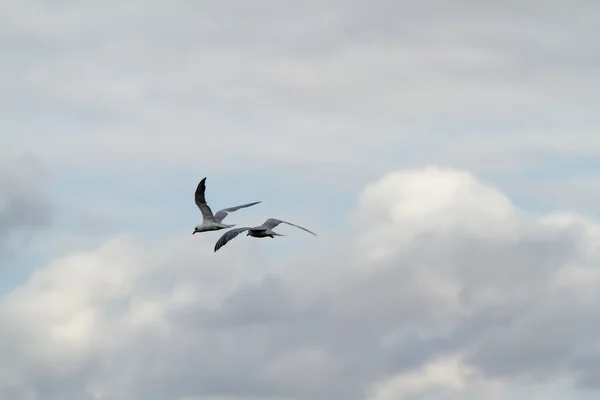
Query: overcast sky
x=446 y=153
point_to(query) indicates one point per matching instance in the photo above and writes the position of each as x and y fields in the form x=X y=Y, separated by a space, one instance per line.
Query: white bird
x=261 y=231
x=212 y=222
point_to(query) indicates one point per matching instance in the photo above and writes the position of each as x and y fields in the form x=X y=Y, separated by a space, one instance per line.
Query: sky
x=446 y=153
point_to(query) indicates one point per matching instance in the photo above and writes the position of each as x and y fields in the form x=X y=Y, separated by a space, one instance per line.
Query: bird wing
x=200 y=200
x=273 y=222
x=220 y=216
x=227 y=236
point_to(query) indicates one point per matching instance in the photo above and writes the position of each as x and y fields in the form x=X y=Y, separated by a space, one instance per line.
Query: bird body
x=210 y=221
x=261 y=231
x=210 y=226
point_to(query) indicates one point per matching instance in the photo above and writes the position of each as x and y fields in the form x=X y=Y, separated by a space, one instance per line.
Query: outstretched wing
x=227 y=236
x=273 y=222
x=200 y=200
x=220 y=216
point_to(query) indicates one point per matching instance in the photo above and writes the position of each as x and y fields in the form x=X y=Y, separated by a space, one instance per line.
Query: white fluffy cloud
x=445 y=290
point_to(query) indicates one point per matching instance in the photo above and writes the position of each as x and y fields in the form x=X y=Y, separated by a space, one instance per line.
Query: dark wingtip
x=200 y=190
x=201 y=184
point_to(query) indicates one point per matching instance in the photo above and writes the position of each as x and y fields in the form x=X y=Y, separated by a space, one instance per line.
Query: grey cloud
x=587 y=365
x=265 y=302
x=349 y=86
x=25 y=206
x=550 y=335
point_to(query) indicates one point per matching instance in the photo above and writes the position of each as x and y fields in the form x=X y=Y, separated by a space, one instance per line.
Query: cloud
x=440 y=286
x=320 y=86
x=25 y=207
x=445 y=289
x=443 y=378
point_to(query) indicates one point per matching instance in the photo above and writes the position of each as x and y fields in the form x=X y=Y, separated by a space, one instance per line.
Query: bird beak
x=194 y=232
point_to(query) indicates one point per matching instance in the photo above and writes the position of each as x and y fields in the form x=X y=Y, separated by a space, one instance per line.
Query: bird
x=212 y=222
x=261 y=231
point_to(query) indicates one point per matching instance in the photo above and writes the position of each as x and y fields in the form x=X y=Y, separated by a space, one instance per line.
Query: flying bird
x=261 y=231
x=212 y=222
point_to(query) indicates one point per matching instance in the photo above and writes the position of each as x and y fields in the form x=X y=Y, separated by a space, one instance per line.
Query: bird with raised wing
x=261 y=231
x=210 y=221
